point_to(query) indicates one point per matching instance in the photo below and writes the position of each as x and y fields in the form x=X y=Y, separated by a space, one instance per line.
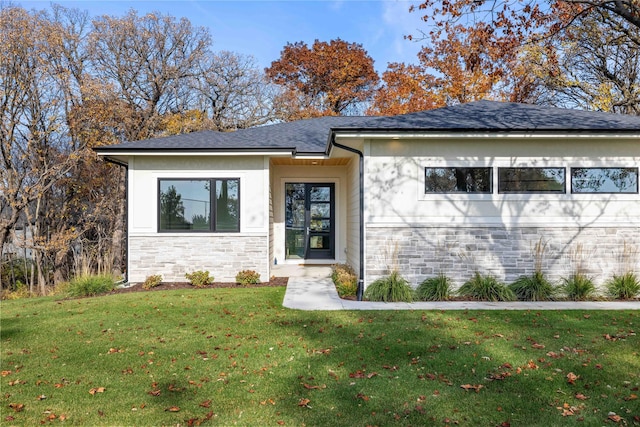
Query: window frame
x=562 y=191
x=635 y=168
x=490 y=176
x=212 y=201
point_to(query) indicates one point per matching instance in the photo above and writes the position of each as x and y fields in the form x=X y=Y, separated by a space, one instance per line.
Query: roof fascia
x=493 y=134
x=194 y=152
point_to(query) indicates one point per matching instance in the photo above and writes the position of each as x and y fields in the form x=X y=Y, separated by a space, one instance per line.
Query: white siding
x=395 y=182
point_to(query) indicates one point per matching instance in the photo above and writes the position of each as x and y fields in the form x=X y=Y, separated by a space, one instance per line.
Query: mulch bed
x=137 y=287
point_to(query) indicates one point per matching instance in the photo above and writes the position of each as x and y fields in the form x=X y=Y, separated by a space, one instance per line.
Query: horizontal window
x=531 y=180
x=604 y=180
x=457 y=180
x=199 y=204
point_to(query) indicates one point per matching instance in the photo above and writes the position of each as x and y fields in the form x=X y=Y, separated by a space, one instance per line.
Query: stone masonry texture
x=504 y=252
x=174 y=255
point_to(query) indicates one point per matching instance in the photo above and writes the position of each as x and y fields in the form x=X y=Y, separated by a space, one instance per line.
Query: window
x=457 y=180
x=199 y=204
x=604 y=180
x=531 y=180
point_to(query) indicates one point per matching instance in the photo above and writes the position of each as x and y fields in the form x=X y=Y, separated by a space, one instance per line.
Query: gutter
x=332 y=142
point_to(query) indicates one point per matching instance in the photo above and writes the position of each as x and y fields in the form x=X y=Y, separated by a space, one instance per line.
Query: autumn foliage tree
x=405 y=89
x=492 y=48
x=69 y=83
x=328 y=78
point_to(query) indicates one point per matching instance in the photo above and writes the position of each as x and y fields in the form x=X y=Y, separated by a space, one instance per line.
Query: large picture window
x=531 y=180
x=604 y=180
x=457 y=180
x=199 y=205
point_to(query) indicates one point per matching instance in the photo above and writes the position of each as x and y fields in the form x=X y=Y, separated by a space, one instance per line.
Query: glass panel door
x=309 y=217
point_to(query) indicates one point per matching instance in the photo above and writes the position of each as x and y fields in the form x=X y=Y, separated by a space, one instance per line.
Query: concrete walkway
x=311 y=288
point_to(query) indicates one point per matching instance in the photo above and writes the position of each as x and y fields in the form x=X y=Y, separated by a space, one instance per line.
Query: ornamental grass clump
x=533 y=288
x=90 y=285
x=248 y=277
x=486 y=288
x=393 y=288
x=578 y=287
x=434 y=289
x=345 y=280
x=626 y=286
x=199 y=278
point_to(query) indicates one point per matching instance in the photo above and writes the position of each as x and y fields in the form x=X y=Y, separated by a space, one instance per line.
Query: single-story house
x=490 y=187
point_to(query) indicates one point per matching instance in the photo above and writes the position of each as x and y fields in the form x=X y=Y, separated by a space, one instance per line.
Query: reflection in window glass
x=186 y=205
x=604 y=180
x=531 y=180
x=457 y=180
x=227 y=205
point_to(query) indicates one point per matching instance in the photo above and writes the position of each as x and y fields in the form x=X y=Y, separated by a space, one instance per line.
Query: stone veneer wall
x=174 y=255
x=504 y=252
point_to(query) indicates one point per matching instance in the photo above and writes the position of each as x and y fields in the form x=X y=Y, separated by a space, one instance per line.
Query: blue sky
x=262 y=28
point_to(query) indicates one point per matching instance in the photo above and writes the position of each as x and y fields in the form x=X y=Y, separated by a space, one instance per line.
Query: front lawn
x=236 y=357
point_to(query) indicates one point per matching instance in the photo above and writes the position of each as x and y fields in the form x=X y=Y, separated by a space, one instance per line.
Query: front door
x=309 y=221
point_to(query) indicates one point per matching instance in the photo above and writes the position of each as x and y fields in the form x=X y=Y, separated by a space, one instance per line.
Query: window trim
x=212 y=200
x=562 y=191
x=490 y=174
x=637 y=170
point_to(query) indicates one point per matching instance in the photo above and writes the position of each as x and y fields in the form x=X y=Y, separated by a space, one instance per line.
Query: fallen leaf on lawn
x=314 y=387
x=304 y=402
x=581 y=396
x=614 y=417
x=206 y=403
x=333 y=375
x=538 y=346
x=468 y=387
x=42 y=397
x=5 y=373
x=172 y=409
x=571 y=378
x=567 y=410
x=97 y=390
x=631 y=397
x=17 y=407
x=280 y=422
x=362 y=396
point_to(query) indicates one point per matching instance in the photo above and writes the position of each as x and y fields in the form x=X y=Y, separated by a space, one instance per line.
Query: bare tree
x=234 y=92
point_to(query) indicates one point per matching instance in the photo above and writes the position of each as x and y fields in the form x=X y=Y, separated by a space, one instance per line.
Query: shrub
x=152 y=281
x=248 y=277
x=345 y=280
x=533 y=288
x=578 y=287
x=90 y=285
x=486 y=288
x=389 y=289
x=20 y=291
x=434 y=289
x=626 y=286
x=199 y=278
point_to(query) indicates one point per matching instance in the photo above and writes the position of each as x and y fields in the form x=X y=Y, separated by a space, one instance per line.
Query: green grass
x=236 y=357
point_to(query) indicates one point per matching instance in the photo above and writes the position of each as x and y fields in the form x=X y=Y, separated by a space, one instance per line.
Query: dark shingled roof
x=312 y=135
